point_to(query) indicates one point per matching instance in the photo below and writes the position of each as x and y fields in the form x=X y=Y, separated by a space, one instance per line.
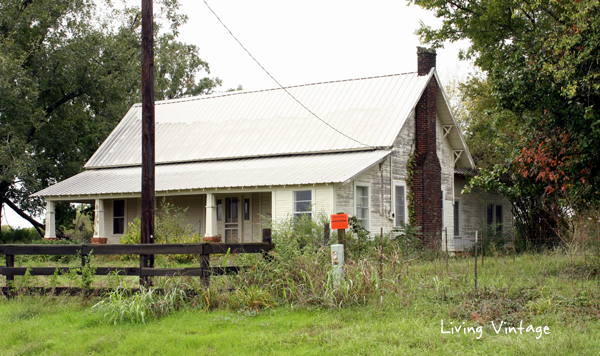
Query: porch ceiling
x=254 y=172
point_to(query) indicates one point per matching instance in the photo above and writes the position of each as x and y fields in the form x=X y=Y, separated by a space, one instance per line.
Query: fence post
x=266 y=236
x=267 y=239
x=381 y=254
x=10 y=278
x=326 y=234
x=476 y=232
x=483 y=236
x=205 y=266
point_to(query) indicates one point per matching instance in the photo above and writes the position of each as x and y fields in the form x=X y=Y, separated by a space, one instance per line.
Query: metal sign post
x=339 y=222
x=337 y=260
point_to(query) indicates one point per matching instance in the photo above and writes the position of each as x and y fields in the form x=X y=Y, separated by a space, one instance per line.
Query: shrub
x=299 y=271
x=169 y=229
x=25 y=235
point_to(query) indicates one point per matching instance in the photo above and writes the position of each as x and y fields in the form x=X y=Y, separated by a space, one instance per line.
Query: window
x=494 y=216
x=457 y=218
x=118 y=216
x=499 y=218
x=362 y=206
x=219 y=210
x=246 y=209
x=302 y=203
x=400 y=205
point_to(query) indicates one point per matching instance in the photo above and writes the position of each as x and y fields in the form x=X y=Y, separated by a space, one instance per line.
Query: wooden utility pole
x=148 y=204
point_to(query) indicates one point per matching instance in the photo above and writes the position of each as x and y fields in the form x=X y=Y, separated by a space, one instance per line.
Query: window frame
x=310 y=212
x=457 y=218
x=499 y=227
x=247 y=209
x=219 y=209
x=119 y=217
x=368 y=207
x=400 y=183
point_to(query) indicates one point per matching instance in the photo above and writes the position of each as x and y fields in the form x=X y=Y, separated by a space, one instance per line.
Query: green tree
x=69 y=70
x=536 y=112
x=541 y=60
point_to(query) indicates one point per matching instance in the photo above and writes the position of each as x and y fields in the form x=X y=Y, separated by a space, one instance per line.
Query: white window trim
x=400 y=183
x=368 y=186
x=312 y=199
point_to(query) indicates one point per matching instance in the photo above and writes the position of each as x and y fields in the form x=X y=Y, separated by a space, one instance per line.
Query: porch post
x=50 y=227
x=211 y=215
x=99 y=235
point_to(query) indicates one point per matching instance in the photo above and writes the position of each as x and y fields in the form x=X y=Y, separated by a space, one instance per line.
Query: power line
x=279 y=84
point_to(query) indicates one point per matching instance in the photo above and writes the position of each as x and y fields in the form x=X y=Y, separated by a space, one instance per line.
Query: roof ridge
x=239 y=92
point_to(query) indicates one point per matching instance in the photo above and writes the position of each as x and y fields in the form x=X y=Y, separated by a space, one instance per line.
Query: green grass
x=40 y=326
x=402 y=318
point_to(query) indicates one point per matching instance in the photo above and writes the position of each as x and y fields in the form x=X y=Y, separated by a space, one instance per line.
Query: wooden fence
x=204 y=250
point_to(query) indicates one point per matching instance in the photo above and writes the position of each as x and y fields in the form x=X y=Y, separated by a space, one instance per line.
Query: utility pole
x=148 y=202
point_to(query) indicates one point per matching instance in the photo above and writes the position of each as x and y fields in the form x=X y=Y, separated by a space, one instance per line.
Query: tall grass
x=380 y=271
x=121 y=305
x=25 y=235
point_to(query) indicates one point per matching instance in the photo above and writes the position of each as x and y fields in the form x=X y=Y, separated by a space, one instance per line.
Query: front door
x=232 y=219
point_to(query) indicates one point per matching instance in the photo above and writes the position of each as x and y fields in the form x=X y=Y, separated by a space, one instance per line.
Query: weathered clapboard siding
x=473 y=209
x=344 y=198
x=381 y=180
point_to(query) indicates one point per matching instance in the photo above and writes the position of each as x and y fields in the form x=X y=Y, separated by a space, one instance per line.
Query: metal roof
x=465 y=171
x=250 y=172
x=269 y=122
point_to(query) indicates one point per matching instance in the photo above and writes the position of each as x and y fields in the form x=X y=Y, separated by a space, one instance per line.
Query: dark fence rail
x=204 y=250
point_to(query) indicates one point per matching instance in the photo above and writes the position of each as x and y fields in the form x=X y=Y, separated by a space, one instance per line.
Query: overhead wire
x=279 y=84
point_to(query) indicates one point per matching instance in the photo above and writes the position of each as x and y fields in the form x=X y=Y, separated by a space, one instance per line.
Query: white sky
x=308 y=41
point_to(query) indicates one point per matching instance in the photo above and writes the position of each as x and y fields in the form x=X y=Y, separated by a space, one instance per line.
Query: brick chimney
x=427 y=180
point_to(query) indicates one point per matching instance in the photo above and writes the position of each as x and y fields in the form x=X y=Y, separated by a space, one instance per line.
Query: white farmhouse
x=238 y=158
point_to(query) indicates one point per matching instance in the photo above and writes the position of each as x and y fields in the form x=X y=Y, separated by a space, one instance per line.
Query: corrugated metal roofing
x=251 y=172
x=465 y=171
x=269 y=122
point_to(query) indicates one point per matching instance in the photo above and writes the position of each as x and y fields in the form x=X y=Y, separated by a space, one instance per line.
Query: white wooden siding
x=323 y=201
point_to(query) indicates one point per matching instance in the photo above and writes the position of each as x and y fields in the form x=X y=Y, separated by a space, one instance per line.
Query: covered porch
x=234 y=216
x=233 y=199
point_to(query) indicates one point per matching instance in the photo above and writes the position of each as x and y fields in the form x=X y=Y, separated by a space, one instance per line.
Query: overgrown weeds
x=122 y=305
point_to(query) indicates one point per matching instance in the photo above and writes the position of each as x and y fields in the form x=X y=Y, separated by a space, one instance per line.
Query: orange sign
x=339 y=221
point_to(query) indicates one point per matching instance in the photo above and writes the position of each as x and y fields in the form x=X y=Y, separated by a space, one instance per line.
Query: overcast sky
x=308 y=41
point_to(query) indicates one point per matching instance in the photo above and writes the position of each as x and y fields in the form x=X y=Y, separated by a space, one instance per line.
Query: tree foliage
x=69 y=70
x=533 y=117
x=542 y=64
